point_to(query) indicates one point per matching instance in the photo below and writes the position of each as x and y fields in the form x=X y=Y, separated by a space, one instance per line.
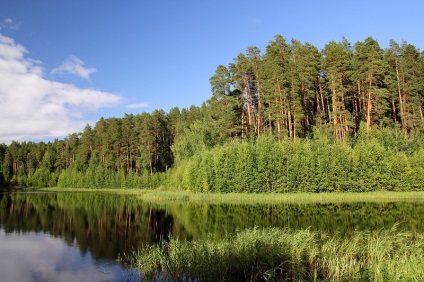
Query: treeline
x=290 y=92
x=136 y=147
x=293 y=87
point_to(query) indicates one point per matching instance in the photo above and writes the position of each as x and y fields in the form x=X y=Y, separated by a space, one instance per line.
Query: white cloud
x=137 y=106
x=74 y=65
x=9 y=24
x=32 y=107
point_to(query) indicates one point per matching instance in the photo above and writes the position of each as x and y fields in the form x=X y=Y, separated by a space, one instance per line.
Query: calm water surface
x=79 y=236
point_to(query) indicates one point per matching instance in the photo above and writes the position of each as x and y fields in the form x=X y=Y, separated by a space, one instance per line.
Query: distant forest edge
x=347 y=118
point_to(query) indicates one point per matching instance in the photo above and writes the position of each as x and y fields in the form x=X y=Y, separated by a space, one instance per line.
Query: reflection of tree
x=107 y=224
x=202 y=220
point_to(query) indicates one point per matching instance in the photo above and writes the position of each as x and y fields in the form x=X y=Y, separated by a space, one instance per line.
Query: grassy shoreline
x=287 y=255
x=158 y=195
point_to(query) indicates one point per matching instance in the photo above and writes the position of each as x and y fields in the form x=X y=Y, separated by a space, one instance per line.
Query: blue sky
x=64 y=64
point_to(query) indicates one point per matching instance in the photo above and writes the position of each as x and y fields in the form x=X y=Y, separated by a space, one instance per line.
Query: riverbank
x=158 y=195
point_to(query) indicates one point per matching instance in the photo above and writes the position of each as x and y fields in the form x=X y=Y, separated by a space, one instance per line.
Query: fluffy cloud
x=32 y=107
x=74 y=65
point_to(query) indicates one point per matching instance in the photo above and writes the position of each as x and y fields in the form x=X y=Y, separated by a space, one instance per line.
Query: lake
x=79 y=236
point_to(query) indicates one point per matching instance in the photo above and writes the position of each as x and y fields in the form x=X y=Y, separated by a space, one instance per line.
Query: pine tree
x=244 y=82
x=255 y=59
x=101 y=139
x=406 y=78
x=370 y=70
x=307 y=61
x=337 y=63
x=277 y=86
x=86 y=144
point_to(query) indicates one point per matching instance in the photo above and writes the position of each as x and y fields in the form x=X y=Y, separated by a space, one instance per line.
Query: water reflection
x=40 y=257
x=199 y=221
x=105 y=225
x=98 y=227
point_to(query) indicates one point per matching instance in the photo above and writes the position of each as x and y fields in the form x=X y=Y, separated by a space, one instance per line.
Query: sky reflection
x=41 y=257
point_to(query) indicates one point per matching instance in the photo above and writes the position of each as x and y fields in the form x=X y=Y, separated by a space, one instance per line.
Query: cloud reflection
x=40 y=257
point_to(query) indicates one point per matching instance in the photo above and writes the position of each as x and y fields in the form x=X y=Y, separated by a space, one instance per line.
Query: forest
x=349 y=117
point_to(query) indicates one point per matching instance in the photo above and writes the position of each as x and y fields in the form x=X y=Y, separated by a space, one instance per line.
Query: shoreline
x=158 y=195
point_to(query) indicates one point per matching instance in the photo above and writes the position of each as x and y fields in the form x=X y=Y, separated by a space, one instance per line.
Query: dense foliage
x=370 y=162
x=294 y=118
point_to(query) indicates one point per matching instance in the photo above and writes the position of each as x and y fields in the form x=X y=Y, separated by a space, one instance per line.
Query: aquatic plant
x=286 y=255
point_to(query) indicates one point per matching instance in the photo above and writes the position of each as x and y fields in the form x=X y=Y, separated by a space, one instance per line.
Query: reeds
x=286 y=255
x=160 y=196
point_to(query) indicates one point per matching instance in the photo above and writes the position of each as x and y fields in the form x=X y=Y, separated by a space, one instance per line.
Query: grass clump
x=287 y=255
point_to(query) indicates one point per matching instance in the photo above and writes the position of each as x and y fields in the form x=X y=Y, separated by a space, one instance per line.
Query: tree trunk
x=335 y=111
x=401 y=106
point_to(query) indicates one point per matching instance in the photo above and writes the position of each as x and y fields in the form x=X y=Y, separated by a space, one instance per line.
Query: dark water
x=79 y=236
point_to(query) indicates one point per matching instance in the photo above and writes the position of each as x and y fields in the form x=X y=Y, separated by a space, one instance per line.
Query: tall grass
x=287 y=255
x=160 y=196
